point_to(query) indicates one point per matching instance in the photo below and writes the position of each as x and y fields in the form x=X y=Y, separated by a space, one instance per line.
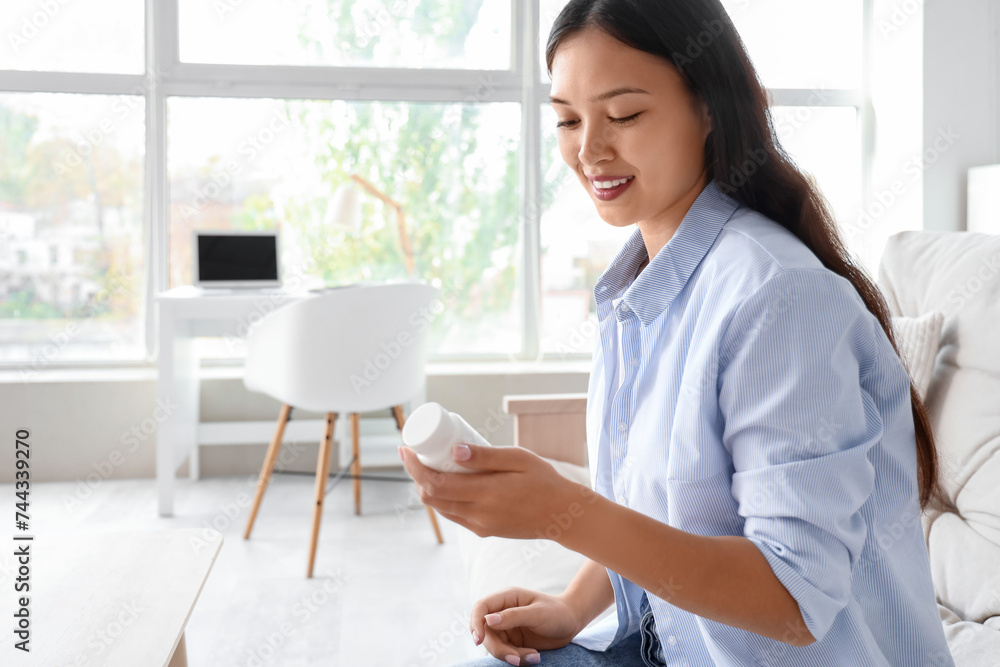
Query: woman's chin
x=619 y=220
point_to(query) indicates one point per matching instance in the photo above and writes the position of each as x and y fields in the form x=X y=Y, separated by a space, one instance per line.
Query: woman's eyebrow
x=604 y=96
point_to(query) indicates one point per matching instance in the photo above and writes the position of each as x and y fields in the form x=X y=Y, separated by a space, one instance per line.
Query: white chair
x=355 y=349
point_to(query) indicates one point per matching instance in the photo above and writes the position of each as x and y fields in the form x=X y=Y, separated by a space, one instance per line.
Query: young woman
x=759 y=456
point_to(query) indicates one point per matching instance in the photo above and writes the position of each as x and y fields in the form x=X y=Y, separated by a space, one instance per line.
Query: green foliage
x=17 y=130
x=25 y=305
x=456 y=180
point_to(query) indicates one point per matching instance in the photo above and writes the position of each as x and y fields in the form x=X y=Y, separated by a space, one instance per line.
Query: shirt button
x=624 y=307
x=604 y=288
x=672 y=640
x=635 y=362
x=622 y=426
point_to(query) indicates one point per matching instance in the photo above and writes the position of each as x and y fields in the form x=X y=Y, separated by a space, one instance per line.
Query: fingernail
x=493 y=619
x=532 y=658
x=475 y=637
x=513 y=659
x=461 y=453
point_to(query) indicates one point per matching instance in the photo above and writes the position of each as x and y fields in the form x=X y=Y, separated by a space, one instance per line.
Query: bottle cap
x=428 y=423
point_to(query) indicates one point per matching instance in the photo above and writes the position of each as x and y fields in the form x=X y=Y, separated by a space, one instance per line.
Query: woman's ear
x=706 y=119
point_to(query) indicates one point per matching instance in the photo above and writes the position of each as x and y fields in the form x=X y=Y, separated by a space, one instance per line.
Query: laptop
x=236 y=259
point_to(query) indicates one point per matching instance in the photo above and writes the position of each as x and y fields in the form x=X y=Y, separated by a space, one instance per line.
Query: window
x=366 y=33
x=63 y=36
x=259 y=111
x=265 y=163
x=71 y=212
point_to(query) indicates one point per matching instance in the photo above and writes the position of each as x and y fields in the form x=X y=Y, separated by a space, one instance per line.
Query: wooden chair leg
x=356 y=465
x=268 y=467
x=322 y=474
x=397 y=412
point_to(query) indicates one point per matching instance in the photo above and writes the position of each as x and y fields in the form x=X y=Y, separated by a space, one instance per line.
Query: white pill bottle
x=431 y=431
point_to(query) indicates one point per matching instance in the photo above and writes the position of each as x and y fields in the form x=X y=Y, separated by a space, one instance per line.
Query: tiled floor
x=384 y=594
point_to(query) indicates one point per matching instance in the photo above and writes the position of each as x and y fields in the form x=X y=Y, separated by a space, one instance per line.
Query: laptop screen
x=237 y=258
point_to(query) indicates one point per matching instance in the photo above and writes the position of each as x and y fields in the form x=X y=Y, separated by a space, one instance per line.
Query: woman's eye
x=626 y=120
x=617 y=121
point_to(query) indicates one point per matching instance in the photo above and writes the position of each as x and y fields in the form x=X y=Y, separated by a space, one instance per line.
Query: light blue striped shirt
x=741 y=388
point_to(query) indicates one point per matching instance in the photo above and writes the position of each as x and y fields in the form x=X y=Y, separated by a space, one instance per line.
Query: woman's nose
x=596 y=143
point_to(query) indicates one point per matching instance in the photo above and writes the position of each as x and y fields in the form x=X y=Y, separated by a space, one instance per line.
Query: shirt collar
x=667 y=274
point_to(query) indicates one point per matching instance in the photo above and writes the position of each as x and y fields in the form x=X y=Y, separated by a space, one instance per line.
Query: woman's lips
x=607 y=194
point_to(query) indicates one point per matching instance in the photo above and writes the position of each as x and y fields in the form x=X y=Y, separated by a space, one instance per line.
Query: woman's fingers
x=498 y=620
x=500 y=646
x=500 y=601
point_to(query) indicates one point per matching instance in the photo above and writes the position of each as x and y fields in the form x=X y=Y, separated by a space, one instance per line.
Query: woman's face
x=626 y=115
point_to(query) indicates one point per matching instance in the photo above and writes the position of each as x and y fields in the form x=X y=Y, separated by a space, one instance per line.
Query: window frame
x=166 y=76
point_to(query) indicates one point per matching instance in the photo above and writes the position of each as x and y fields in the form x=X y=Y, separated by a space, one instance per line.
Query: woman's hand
x=512 y=492
x=516 y=623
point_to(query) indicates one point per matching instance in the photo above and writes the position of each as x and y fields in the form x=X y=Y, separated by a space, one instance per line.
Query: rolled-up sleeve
x=799 y=427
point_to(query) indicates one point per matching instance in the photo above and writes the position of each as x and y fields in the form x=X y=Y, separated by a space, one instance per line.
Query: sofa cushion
x=918 y=340
x=958 y=274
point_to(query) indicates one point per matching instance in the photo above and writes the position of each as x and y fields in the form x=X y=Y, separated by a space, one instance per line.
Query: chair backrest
x=356 y=349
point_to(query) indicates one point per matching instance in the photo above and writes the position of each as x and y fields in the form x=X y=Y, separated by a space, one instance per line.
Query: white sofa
x=944 y=292
x=957 y=274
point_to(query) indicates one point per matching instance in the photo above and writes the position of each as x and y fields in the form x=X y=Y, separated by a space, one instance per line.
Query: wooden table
x=114 y=599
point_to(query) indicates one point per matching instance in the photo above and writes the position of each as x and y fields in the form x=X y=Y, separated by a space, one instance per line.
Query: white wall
x=80 y=427
x=961 y=80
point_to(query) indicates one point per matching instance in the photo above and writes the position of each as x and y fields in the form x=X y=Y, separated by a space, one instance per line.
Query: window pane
x=61 y=36
x=772 y=29
x=826 y=142
x=576 y=247
x=802 y=43
x=245 y=164
x=457 y=34
x=71 y=202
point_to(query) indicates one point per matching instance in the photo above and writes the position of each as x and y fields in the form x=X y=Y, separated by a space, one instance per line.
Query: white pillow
x=919 y=339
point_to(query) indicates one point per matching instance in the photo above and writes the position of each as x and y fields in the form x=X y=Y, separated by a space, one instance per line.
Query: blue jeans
x=640 y=649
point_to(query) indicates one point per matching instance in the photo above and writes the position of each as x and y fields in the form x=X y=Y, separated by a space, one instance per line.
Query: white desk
x=114 y=599
x=184 y=314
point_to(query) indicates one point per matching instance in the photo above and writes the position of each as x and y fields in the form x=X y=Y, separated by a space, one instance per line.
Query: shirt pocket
x=704 y=506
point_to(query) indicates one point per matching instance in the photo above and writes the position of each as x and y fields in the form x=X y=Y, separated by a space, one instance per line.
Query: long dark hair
x=742 y=152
